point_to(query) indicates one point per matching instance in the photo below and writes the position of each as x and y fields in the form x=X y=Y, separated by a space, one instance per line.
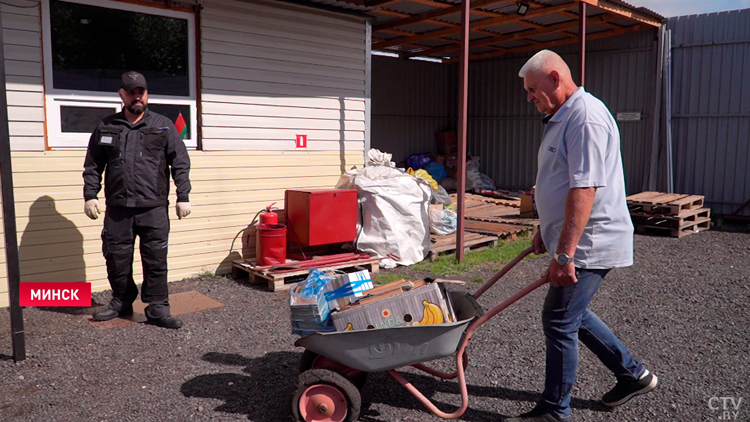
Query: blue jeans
x=566 y=319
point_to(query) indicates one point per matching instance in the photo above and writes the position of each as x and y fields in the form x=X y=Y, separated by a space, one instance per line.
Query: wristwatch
x=563 y=259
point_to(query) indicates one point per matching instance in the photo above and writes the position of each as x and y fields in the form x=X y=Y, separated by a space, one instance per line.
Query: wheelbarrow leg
x=425 y=401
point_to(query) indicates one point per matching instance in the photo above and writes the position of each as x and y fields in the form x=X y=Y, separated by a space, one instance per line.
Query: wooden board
x=283 y=280
x=516 y=220
x=440 y=244
x=503 y=230
x=471 y=199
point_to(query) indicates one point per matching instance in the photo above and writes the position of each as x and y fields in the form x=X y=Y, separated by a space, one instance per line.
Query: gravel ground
x=682 y=310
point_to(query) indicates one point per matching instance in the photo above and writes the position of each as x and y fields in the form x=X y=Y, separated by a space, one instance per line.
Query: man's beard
x=136 y=107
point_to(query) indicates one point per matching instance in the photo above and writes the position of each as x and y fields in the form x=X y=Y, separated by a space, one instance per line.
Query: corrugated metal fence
x=412 y=100
x=711 y=107
x=505 y=130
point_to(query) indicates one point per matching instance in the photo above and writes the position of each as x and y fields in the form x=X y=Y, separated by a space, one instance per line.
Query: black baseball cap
x=132 y=80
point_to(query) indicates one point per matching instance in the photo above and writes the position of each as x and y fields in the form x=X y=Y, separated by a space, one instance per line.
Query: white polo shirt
x=581 y=148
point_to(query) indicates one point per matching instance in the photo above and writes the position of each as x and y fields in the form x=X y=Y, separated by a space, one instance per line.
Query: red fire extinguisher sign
x=301 y=141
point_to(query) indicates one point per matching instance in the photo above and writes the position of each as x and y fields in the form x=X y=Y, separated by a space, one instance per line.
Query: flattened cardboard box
x=424 y=304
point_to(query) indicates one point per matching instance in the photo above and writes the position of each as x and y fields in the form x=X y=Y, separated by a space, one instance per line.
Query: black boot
x=107 y=314
x=166 y=322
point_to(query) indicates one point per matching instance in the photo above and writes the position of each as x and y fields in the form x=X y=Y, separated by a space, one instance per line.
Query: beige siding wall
x=57 y=242
x=22 y=37
x=269 y=72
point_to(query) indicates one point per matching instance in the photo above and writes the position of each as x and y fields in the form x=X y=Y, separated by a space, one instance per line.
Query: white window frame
x=54 y=98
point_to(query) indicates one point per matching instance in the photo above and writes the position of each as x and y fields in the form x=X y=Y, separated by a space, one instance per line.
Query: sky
x=669 y=8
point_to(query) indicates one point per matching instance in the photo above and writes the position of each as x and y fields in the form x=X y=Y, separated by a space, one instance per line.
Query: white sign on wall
x=629 y=117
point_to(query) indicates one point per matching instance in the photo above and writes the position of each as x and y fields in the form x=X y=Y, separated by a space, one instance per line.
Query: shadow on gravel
x=381 y=388
x=269 y=381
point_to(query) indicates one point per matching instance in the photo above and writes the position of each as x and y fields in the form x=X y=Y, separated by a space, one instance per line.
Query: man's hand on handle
x=91 y=209
x=560 y=275
x=183 y=209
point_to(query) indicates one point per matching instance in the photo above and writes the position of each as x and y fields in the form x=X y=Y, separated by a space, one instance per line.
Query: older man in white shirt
x=586 y=228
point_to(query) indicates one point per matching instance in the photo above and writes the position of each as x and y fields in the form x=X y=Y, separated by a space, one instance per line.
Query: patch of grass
x=205 y=273
x=446 y=265
x=387 y=278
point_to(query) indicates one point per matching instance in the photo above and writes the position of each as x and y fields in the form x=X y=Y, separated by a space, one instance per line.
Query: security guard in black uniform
x=135 y=150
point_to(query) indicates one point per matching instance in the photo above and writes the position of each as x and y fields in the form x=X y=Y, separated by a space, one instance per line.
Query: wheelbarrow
x=334 y=365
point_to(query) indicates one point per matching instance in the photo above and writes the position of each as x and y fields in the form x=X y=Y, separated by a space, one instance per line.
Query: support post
x=463 y=96
x=9 y=220
x=582 y=42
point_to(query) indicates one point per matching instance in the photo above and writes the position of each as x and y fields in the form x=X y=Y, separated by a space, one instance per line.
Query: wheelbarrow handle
x=502 y=272
x=509 y=301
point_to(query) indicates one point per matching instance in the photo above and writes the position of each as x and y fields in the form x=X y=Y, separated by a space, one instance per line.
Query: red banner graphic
x=54 y=294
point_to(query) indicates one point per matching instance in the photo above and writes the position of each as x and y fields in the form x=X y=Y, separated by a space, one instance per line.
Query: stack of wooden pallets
x=674 y=214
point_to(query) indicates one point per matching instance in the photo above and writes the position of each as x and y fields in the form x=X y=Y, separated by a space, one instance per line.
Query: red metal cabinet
x=321 y=217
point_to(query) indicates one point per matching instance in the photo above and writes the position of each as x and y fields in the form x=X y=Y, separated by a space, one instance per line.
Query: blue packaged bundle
x=307 y=298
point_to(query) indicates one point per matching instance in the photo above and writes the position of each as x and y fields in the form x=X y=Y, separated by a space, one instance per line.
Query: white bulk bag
x=394 y=213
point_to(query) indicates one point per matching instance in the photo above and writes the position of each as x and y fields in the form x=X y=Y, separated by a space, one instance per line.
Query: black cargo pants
x=151 y=225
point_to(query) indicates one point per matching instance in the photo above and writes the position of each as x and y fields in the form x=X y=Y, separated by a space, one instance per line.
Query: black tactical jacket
x=136 y=160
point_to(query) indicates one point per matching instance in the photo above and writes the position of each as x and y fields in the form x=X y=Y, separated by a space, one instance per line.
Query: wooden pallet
x=284 y=279
x=663 y=203
x=447 y=243
x=691 y=228
x=686 y=218
x=688 y=222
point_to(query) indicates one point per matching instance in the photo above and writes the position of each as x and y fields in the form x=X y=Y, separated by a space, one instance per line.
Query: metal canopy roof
x=428 y=28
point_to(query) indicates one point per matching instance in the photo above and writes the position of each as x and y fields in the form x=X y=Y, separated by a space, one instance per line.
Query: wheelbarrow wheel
x=325 y=396
x=312 y=360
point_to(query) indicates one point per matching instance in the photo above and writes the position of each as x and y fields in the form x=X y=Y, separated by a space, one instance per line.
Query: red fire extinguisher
x=267 y=216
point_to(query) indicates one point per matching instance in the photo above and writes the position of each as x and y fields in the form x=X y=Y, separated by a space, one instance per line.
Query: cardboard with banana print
x=401 y=303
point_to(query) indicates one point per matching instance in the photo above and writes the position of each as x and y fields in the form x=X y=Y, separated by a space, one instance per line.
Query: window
x=89 y=44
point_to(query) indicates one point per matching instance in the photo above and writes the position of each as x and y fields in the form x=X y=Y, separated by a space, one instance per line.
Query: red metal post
x=463 y=96
x=582 y=41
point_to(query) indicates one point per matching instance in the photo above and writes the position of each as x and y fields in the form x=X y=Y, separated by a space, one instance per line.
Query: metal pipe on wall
x=668 y=107
x=658 y=88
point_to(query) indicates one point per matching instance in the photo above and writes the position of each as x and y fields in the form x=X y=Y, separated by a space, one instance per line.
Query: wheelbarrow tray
x=382 y=349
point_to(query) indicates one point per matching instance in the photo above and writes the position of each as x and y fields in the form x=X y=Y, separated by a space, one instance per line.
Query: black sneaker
x=107 y=314
x=627 y=389
x=166 y=322
x=538 y=414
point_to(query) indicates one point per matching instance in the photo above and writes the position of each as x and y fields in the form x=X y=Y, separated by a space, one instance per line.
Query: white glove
x=91 y=209
x=183 y=209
